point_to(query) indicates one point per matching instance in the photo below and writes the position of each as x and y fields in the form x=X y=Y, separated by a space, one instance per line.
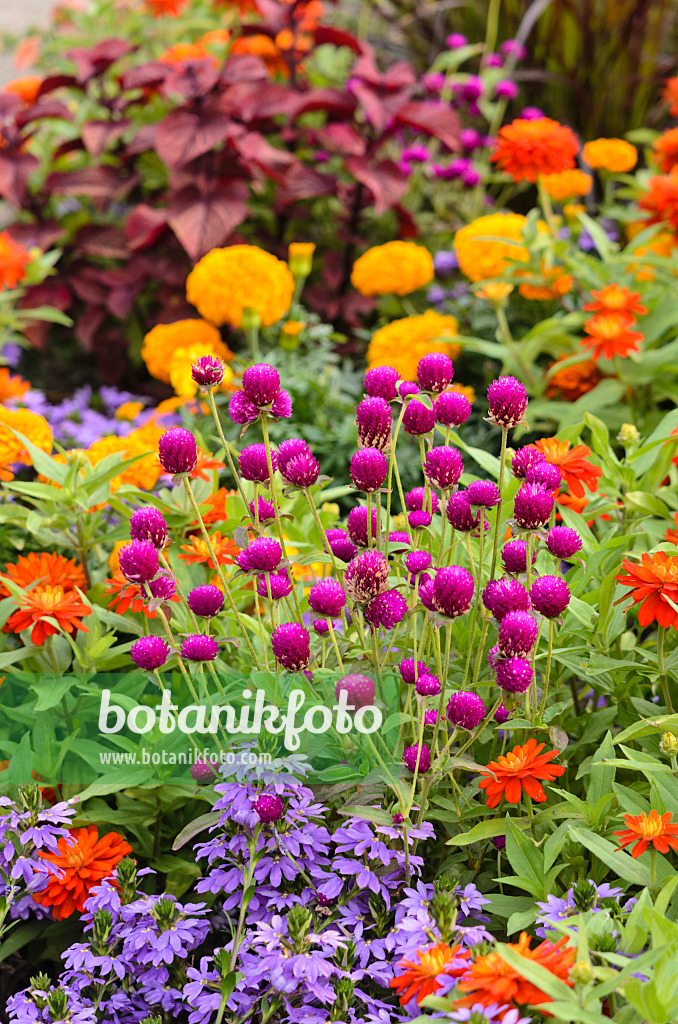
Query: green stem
x=274 y=500
x=547 y=673
x=226 y=447
x=497 y=525
x=389 y=479
x=661 y=636
x=492 y=25
x=547 y=207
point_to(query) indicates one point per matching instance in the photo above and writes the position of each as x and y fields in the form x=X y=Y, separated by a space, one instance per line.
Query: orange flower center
x=74 y=858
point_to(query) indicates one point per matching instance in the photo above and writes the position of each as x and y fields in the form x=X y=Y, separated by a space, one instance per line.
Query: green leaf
x=525 y=858
x=196 y=826
x=484 y=830
x=50 y=691
x=43 y=463
x=602 y=775
x=621 y=863
x=373 y=814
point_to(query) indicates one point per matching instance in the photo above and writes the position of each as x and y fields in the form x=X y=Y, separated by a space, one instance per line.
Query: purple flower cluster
x=261 y=391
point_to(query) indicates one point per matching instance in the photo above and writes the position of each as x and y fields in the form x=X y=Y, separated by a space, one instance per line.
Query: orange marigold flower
x=609 y=335
x=26 y=88
x=47 y=567
x=196 y=550
x=491 y=980
x=617 y=298
x=661 y=199
x=396 y=268
x=46 y=601
x=80 y=865
x=520 y=769
x=528 y=148
x=616 y=155
x=653 y=583
x=11 y=386
x=419 y=978
x=670 y=95
x=146 y=471
x=571 y=382
x=31 y=425
x=226 y=282
x=572 y=463
x=165 y=8
x=556 y=284
x=665 y=150
x=13 y=261
x=162 y=341
x=643 y=829
x=567 y=184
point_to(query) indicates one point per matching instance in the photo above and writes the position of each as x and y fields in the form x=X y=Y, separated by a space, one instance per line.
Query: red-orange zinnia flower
x=670 y=95
x=419 y=978
x=79 y=867
x=520 y=769
x=126 y=596
x=205 y=465
x=527 y=148
x=661 y=199
x=13 y=261
x=616 y=298
x=48 y=602
x=642 y=829
x=168 y=8
x=671 y=535
x=51 y=569
x=665 y=150
x=11 y=385
x=197 y=550
x=609 y=335
x=571 y=382
x=572 y=463
x=653 y=583
x=491 y=980
x=26 y=88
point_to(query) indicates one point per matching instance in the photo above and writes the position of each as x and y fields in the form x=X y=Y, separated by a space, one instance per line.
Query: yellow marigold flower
x=616 y=155
x=300 y=258
x=162 y=341
x=663 y=244
x=567 y=184
x=129 y=411
x=144 y=473
x=396 y=268
x=480 y=256
x=31 y=425
x=180 y=366
x=227 y=281
x=114 y=560
x=293 y=328
x=496 y=292
x=402 y=343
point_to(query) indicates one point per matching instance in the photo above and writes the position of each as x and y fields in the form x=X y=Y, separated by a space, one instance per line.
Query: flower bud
x=668 y=744
x=629 y=435
x=581 y=973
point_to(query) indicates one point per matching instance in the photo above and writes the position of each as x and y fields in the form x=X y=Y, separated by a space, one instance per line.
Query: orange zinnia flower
x=169 y=8
x=571 y=382
x=661 y=199
x=670 y=95
x=26 y=88
x=419 y=979
x=642 y=830
x=197 y=550
x=653 y=583
x=491 y=980
x=573 y=465
x=520 y=769
x=47 y=601
x=80 y=866
x=215 y=508
x=186 y=53
x=52 y=570
x=528 y=148
x=665 y=150
x=609 y=335
x=617 y=298
x=11 y=386
x=205 y=464
x=671 y=535
x=556 y=284
x=13 y=261
x=127 y=596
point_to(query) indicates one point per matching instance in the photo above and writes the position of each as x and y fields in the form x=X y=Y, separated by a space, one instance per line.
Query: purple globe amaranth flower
x=381 y=382
x=149 y=524
x=550 y=596
x=269 y=808
x=177 y=451
x=460 y=515
x=263 y=554
x=435 y=372
x=359 y=690
x=321 y=626
x=407 y=388
x=341 y=545
x=544 y=474
x=199 y=647
x=470 y=138
x=280 y=585
x=419 y=520
x=518 y=632
x=465 y=710
x=327 y=597
x=208 y=372
x=417 y=561
x=515 y=49
x=502 y=714
x=253 y=464
x=499 y=842
x=261 y=384
x=265 y=509
x=302 y=470
x=375 y=420
x=472 y=89
x=149 y=652
x=357 y=526
x=493 y=60
x=470 y=178
x=366 y=576
x=452 y=591
x=290 y=449
x=416 y=501
x=281 y=406
x=563 y=542
x=416 y=755
x=205 y=601
x=506 y=595
x=428 y=685
x=531 y=113
x=407 y=670
x=456 y=40
x=532 y=506
x=205 y=771
x=398 y=819
x=430 y=717
x=386 y=610
x=418 y=419
x=513 y=675
x=443 y=466
x=525 y=458
x=506 y=89
x=163 y=588
x=139 y=561
x=427 y=594
x=507 y=399
x=291 y=646
x=483 y=493
x=399 y=537
x=241 y=410
x=369 y=469
x=514 y=557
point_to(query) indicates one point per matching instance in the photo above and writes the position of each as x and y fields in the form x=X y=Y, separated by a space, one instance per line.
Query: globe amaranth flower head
x=177 y=451
x=443 y=466
x=460 y=515
x=375 y=420
x=327 y=597
x=357 y=527
x=341 y=545
x=139 y=561
x=452 y=408
x=524 y=459
x=263 y=554
x=418 y=419
x=407 y=388
x=419 y=520
x=514 y=557
x=208 y=372
x=518 y=632
x=483 y=493
x=275 y=585
x=507 y=399
x=241 y=410
x=199 y=647
x=545 y=474
x=532 y=506
x=149 y=652
x=265 y=510
x=416 y=500
x=417 y=561
x=149 y=524
x=550 y=596
x=302 y=470
x=289 y=450
x=563 y=542
x=428 y=685
x=360 y=690
x=386 y=610
x=452 y=591
x=435 y=372
x=407 y=670
x=260 y=383
x=465 y=710
x=417 y=756
x=381 y=382
x=163 y=588
x=205 y=601
x=281 y=406
x=366 y=576
x=269 y=808
x=205 y=771
x=253 y=463
x=291 y=646
x=501 y=715
x=369 y=469
x=505 y=595
x=513 y=674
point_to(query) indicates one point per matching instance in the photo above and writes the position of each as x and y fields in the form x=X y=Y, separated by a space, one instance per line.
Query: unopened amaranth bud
x=208 y=372
x=149 y=524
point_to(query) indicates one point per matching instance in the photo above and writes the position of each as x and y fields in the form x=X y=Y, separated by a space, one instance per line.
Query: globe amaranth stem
x=226 y=447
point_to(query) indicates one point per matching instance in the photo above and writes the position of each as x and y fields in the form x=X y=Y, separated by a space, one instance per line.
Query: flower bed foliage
x=339 y=607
